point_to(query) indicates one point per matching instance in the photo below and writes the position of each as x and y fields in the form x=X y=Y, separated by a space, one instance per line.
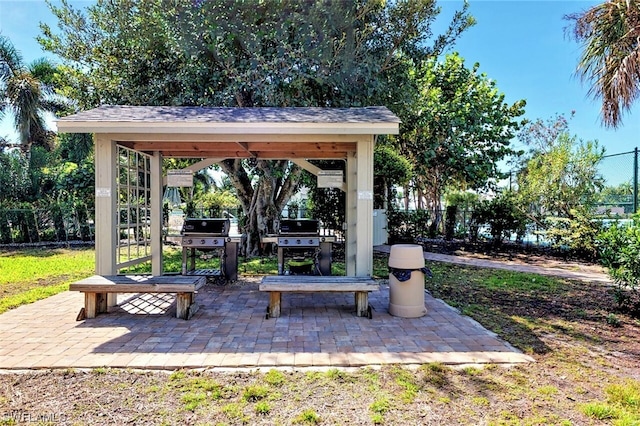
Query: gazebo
x=131 y=142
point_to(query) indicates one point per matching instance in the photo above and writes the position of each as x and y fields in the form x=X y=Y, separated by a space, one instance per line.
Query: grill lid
x=299 y=227
x=211 y=226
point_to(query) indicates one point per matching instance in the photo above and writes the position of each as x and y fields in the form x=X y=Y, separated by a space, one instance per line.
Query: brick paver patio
x=231 y=330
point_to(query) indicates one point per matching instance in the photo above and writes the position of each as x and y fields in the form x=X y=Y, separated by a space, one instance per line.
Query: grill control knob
x=202 y=242
x=298 y=242
x=215 y=242
x=189 y=241
x=286 y=241
x=310 y=242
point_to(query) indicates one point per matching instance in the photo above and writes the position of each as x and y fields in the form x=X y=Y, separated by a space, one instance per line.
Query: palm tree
x=610 y=60
x=26 y=93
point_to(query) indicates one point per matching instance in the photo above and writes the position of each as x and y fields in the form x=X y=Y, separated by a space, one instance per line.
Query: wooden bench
x=96 y=288
x=278 y=284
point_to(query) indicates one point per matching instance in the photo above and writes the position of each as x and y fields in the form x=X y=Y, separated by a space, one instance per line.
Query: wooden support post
x=106 y=193
x=362 y=303
x=90 y=305
x=94 y=303
x=364 y=207
x=274 y=304
x=156 y=214
x=183 y=303
x=102 y=302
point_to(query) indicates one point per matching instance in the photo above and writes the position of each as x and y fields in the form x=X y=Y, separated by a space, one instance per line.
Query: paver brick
x=230 y=330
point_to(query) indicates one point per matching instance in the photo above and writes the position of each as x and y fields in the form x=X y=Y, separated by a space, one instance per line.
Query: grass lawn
x=33 y=274
x=587 y=370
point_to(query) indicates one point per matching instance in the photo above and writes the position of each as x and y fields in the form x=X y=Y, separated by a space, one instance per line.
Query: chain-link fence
x=620 y=173
x=619 y=196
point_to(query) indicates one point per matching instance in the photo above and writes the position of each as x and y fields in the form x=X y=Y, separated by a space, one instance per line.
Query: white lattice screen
x=134 y=209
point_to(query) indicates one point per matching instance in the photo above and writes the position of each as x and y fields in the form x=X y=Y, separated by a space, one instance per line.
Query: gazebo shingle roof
x=212 y=132
x=127 y=113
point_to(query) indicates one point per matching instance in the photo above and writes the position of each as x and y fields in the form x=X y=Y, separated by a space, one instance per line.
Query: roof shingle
x=152 y=114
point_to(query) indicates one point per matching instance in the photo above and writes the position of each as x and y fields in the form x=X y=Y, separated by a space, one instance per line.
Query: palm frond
x=10 y=59
x=24 y=95
x=610 y=60
x=44 y=70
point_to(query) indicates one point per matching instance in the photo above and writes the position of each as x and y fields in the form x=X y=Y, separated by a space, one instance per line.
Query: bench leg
x=94 y=303
x=274 y=304
x=362 y=303
x=111 y=300
x=183 y=303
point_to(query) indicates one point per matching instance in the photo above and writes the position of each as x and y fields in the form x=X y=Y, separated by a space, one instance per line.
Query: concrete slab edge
x=285 y=360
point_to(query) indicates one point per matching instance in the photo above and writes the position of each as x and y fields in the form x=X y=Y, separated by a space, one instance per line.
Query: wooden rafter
x=267 y=150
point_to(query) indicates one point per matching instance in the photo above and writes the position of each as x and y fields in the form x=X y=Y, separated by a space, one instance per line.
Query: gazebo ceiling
x=266 y=150
x=205 y=132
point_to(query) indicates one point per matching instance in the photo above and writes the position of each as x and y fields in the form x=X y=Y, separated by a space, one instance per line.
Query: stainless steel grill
x=294 y=241
x=299 y=227
x=208 y=226
x=301 y=240
x=209 y=235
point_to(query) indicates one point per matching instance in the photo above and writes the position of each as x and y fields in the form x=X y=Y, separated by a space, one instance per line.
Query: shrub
x=579 y=233
x=619 y=248
x=406 y=226
x=502 y=215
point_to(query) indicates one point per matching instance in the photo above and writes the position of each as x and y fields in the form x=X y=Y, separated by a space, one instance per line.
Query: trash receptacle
x=406 y=281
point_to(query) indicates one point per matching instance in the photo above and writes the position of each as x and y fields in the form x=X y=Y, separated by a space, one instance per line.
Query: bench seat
x=278 y=284
x=96 y=288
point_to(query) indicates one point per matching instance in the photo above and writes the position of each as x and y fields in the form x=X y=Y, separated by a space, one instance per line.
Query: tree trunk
x=433 y=193
x=262 y=199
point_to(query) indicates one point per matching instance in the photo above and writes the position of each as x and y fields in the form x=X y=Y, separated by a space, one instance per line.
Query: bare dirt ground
x=586 y=353
x=513 y=253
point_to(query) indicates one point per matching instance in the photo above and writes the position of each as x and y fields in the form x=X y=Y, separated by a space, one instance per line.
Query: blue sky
x=520 y=44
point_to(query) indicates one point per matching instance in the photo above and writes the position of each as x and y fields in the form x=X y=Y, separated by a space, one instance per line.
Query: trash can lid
x=406 y=256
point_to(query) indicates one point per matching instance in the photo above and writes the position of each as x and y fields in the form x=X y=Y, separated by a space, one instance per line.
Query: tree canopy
x=228 y=53
x=457 y=130
x=560 y=174
x=234 y=53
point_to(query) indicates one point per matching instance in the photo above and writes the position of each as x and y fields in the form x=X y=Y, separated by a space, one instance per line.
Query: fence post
x=635 y=180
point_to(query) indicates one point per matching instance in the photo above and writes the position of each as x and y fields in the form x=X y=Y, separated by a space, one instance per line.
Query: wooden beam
x=267 y=150
x=222 y=155
x=245 y=146
x=311 y=168
x=301 y=153
x=283 y=155
x=203 y=164
x=196 y=167
x=195 y=137
x=303 y=146
x=249 y=147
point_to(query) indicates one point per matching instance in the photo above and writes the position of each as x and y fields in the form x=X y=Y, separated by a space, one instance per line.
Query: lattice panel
x=134 y=208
